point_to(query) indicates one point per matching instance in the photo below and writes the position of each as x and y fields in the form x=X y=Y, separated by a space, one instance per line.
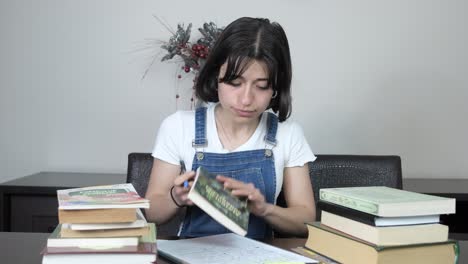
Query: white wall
x=370 y=77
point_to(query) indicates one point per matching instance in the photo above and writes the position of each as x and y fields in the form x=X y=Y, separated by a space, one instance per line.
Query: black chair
x=326 y=171
x=332 y=171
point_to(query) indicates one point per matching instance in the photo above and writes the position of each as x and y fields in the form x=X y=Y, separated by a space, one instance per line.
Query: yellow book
x=92 y=216
x=350 y=250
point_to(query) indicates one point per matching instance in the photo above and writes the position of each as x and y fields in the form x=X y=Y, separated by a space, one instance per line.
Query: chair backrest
x=326 y=171
x=331 y=171
x=138 y=173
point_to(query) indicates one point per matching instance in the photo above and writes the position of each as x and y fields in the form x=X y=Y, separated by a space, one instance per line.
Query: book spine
x=350 y=213
x=350 y=202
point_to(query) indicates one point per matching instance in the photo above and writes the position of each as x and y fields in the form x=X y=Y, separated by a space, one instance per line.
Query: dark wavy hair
x=242 y=41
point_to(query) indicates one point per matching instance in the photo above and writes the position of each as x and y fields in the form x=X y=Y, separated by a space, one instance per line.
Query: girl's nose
x=247 y=95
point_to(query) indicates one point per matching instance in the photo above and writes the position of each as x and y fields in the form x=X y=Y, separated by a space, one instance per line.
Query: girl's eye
x=263 y=87
x=234 y=83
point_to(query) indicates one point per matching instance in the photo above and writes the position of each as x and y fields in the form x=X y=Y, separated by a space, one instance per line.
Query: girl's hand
x=179 y=192
x=256 y=201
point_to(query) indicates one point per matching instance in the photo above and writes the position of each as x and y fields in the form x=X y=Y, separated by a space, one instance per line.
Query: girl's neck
x=233 y=134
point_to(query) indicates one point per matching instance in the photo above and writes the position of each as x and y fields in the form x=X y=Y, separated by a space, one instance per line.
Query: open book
x=225 y=248
x=210 y=196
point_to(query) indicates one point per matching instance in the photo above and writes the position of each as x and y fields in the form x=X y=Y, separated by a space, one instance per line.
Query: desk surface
x=19 y=248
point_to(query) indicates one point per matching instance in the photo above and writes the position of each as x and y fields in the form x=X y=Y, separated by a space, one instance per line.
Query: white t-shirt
x=177 y=131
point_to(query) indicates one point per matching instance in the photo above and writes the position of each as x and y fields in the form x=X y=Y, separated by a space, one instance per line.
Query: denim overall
x=252 y=166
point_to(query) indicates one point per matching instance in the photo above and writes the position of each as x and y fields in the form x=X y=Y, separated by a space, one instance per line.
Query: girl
x=253 y=152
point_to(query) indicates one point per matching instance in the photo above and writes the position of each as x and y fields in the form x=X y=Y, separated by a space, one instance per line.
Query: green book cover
x=98 y=197
x=151 y=236
x=389 y=202
x=210 y=196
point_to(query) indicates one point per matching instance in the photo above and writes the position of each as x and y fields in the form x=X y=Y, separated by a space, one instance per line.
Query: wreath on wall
x=189 y=55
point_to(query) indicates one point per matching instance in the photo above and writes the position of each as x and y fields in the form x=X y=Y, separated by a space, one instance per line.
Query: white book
x=56 y=240
x=116 y=258
x=388 y=235
x=388 y=202
x=407 y=220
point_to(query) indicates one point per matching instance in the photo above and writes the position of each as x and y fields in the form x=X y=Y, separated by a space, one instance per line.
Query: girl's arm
x=298 y=194
x=163 y=177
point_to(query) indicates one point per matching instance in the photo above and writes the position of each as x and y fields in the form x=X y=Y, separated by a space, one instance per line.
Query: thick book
x=344 y=248
x=138 y=223
x=96 y=216
x=101 y=197
x=57 y=240
x=374 y=220
x=387 y=235
x=66 y=231
x=388 y=202
x=144 y=252
x=210 y=196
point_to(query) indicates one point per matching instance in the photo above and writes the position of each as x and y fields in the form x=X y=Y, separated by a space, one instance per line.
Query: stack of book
x=101 y=224
x=382 y=225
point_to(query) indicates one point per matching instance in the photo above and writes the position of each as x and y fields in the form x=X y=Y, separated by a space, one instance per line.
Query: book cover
x=388 y=235
x=99 y=197
x=210 y=196
x=374 y=220
x=350 y=250
x=388 y=202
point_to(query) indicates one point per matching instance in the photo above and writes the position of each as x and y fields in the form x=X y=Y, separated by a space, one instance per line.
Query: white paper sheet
x=226 y=248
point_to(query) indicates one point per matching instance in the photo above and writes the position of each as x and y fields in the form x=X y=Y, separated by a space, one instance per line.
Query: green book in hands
x=210 y=196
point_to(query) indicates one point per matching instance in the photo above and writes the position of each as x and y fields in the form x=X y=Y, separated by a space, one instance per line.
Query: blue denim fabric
x=253 y=166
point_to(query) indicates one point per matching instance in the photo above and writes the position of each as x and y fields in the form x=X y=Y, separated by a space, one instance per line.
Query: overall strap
x=272 y=126
x=200 y=128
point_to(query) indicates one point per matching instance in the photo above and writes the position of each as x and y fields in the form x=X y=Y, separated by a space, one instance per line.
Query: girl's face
x=247 y=97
